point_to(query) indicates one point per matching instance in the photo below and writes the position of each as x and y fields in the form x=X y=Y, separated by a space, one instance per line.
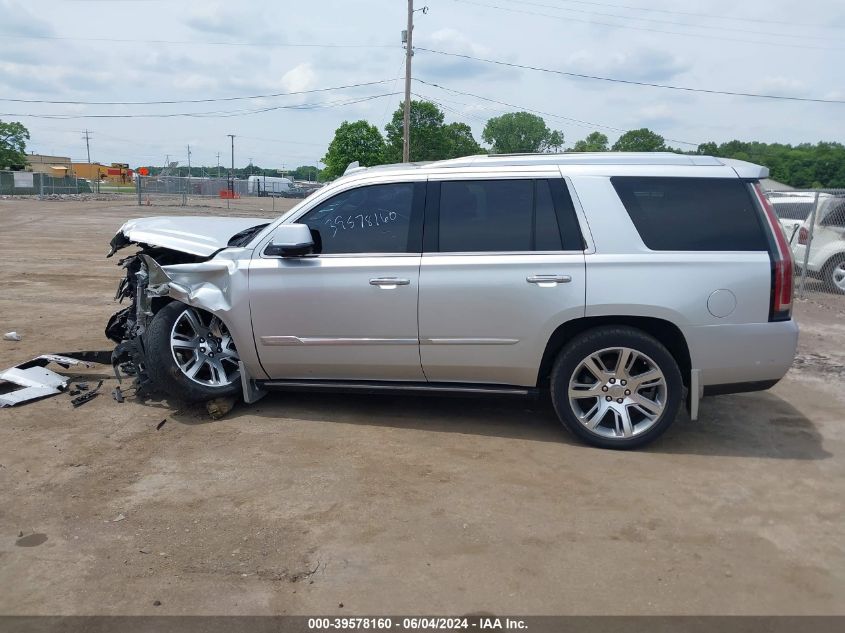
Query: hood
x=195 y=235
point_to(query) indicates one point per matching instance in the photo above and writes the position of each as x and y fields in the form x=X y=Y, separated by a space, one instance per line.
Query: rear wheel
x=616 y=387
x=191 y=355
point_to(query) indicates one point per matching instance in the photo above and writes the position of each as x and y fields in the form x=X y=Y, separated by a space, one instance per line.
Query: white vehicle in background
x=268 y=185
x=826 y=259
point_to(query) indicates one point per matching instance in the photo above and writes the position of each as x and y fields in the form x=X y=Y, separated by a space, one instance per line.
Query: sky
x=178 y=50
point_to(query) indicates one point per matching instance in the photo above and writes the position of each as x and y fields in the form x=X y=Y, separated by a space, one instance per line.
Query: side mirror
x=290 y=240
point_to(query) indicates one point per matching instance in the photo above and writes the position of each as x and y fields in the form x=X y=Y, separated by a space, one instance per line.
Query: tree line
x=807 y=165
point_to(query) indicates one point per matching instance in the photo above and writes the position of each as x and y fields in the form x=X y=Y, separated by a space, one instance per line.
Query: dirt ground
x=390 y=505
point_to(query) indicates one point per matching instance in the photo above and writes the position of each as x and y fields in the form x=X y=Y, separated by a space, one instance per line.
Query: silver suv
x=616 y=282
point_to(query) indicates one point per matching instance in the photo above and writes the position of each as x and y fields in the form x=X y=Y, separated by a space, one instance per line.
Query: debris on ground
x=87 y=396
x=33 y=382
x=117 y=394
x=119 y=517
x=219 y=407
x=11 y=336
x=160 y=424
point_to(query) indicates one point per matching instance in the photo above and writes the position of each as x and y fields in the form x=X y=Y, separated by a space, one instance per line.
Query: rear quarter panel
x=693 y=290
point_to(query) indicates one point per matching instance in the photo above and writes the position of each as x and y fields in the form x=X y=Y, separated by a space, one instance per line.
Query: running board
x=373 y=387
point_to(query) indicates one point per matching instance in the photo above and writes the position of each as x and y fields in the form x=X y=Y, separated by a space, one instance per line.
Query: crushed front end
x=127 y=326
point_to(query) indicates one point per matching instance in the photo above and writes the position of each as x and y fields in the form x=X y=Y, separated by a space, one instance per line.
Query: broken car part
x=34 y=380
x=88 y=395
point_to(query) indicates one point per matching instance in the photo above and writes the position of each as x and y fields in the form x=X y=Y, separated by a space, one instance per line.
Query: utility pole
x=188 y=188
x=406 y=118
x=218 y=165
x=232 y=179
x=88 y=146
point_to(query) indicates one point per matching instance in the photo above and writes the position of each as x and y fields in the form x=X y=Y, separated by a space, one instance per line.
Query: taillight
x=803 y=236
x=782 y=267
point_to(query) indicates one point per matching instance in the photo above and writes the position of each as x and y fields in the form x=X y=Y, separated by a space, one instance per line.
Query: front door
x=350 y=311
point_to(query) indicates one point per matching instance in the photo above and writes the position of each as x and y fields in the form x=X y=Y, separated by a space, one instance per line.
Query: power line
x=631 y=82
x=213 y=114
x=219 y=99
x=700 y=15
x=646 y=28
x=115 y=40
x=672 y=22
x=579 y=122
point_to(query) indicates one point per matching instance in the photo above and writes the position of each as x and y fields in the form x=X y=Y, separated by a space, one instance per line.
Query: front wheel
x=834 y=275
x=616 y=387
x=191 y=355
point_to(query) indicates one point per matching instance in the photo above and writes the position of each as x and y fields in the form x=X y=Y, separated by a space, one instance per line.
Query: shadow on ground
x=744 y=425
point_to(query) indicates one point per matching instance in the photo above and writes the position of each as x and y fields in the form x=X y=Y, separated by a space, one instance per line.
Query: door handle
x=389 y=283
x=548 y=281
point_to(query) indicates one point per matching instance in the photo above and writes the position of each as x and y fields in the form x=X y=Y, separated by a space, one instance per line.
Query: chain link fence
x=27 y=183
x=814 y=224
x=218 y=192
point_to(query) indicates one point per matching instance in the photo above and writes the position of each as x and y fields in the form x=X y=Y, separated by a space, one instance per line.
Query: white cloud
x=298 y=78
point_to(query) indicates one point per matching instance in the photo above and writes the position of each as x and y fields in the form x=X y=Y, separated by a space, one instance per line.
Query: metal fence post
x=808 y=246
x=138 y=187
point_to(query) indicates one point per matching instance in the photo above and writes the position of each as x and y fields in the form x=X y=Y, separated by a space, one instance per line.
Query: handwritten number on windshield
x=360 y=221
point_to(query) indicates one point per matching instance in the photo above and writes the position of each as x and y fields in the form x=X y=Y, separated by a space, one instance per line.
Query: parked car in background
x=792 y=208
x=826 y=257
x=622 y=284
x=297 y=192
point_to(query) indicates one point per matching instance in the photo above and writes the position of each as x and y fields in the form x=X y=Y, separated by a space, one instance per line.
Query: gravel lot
x=303 y=503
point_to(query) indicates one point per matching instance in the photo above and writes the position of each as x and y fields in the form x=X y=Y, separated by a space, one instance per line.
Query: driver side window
x=369 y=219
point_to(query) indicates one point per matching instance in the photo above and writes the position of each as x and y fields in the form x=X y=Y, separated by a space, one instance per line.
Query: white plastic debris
x=35 y=380
x=11 y=336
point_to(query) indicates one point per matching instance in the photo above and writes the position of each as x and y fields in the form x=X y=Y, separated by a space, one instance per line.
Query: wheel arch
x=664 y=331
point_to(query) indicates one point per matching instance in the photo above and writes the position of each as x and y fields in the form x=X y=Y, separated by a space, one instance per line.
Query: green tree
x=595 y=142
x=804 y=165
x=460 y=141
x=353 y=141
x=306 y=172
x=428 y=141
x=520 y=132
x=13 y=138
x=642 y=140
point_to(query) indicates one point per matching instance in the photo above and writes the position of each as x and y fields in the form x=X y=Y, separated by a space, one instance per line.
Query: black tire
x=601 y=338
x=161 y=367
x=827 y=274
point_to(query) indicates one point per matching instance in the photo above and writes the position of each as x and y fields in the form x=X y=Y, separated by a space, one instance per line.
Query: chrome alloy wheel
x=203 y=349
x=617 y=392
x=838 y=276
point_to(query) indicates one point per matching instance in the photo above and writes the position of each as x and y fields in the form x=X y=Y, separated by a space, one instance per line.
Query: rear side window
x=516 y=215
x=692 y=214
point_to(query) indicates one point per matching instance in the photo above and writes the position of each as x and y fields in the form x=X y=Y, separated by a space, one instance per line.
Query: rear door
x=502 y=267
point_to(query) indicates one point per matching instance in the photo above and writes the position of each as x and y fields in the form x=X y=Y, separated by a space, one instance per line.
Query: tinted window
x=546 y=230
x=787 y=210
x=500 y=215
x=373 y=219
x=692 y=214
x=835 y=216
